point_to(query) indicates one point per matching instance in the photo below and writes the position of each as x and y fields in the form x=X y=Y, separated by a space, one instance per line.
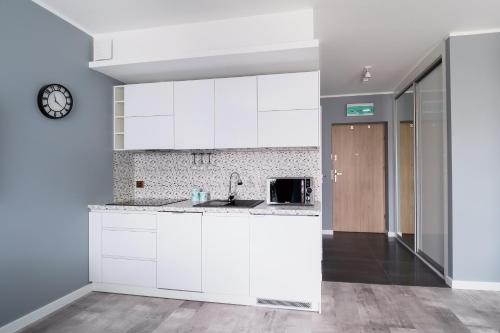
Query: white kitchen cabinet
x=149 y=99
x=139 y=273
x=296 y=128
x=155 y=132
x=95 y=227
x=194 y=114
x=179 y=251
x=291 y=91
x=226 y=254
x=285 y=258
x=122 y=248
x=236 y=112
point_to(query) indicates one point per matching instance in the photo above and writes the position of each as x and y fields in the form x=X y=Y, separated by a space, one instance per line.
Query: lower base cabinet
x=179 y=251
x=226 y=254
x=222 y=256
x=285 y=258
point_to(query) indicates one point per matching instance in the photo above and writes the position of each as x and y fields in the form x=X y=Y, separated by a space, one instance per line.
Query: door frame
x=386 y=167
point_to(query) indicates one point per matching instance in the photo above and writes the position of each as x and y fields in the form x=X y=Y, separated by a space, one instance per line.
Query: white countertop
x=187 y=206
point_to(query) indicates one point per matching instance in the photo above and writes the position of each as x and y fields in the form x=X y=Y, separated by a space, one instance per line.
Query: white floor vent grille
x=291 y=304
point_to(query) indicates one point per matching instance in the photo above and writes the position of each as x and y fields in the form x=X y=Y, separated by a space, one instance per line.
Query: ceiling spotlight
x=366 y=74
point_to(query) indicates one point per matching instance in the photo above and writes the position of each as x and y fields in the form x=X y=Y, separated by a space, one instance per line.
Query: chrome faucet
x=232 y=194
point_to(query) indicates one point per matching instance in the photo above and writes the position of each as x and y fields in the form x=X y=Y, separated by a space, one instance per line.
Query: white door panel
x=294 y=91
x=226 y=254
x=149 y=133
x=179 y=251
x=285 y=257
x=149 y=99
x=297 y=128
x=194 y=114
x=236 y=112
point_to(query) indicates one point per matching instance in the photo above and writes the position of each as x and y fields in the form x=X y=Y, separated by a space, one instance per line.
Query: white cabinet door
x=297 y=128
x=295 y=91
x=95 y=232
x=225 y=254
x=285 y=258
x=179 y=251
x=149 y=133
x=194 y=114
x=236 y=112
x=149 y=99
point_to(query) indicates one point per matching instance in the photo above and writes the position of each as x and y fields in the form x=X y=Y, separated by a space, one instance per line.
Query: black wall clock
x=55 y=101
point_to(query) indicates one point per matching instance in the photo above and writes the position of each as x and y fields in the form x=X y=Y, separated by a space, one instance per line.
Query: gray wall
x=474 y=89
x=334 y=112
x=49 y=169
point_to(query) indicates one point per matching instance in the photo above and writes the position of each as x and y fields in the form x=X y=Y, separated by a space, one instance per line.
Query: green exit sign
x=356 y=110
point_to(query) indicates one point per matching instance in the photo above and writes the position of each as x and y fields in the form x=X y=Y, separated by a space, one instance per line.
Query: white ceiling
x=390 y=35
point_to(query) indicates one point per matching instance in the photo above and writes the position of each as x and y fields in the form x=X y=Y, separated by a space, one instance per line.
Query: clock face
x=55 y=101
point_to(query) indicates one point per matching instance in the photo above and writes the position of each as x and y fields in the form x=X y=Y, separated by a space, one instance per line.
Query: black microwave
x=289 y=191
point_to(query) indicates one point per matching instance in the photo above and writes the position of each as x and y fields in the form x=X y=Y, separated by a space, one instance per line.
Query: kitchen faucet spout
x=232 y=194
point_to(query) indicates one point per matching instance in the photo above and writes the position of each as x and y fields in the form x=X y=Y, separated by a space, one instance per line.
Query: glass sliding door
x=405 y=116
x=431 y=167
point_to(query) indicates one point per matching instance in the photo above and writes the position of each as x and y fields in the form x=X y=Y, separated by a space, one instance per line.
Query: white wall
x=197 y=38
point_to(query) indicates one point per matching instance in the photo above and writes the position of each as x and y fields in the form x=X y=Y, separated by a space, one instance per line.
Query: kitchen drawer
x=130 y=244
x=139 y=273
x=129 y=221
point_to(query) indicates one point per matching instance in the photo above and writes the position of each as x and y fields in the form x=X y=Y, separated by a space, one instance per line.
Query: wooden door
x=358 y=156
x=406 y=179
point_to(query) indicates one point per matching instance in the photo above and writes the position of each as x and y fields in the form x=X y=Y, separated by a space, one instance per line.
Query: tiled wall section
x=173 y=174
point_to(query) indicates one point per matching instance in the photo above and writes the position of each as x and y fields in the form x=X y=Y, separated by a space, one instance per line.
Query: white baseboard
x=475 y=285
x=195 y=296
x=391 y=234
x=328 y=232
x=45 y=310
x=449 y=281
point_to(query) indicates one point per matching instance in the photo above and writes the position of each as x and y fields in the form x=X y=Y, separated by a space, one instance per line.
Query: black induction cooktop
x=145 y=202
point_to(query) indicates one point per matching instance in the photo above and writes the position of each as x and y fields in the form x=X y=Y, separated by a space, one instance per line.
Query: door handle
x=335 y=174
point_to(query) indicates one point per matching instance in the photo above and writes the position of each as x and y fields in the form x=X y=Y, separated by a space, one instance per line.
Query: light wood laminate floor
x=347 y=307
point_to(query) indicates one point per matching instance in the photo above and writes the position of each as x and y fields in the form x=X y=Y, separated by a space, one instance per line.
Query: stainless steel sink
x=232 y=204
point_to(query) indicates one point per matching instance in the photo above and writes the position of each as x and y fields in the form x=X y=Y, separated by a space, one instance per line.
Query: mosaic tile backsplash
x=174 y=174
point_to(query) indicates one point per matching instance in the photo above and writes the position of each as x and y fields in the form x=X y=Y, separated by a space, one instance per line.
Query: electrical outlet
x=139 y=183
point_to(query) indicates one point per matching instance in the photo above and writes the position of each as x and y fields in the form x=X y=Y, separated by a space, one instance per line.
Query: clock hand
x=55 y=100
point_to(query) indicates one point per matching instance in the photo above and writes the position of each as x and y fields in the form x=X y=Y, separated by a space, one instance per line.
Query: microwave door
x=286 y=191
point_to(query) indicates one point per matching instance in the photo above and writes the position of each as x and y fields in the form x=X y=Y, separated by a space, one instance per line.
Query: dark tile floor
x=373 y=258
x=409 y=240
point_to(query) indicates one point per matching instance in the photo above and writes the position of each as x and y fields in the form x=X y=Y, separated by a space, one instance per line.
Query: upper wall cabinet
x=280 y=110
x=294 y=91
x=294 y=128
x=194 y=114
x=149 y=99
x=155 y=132
x=236 y=112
